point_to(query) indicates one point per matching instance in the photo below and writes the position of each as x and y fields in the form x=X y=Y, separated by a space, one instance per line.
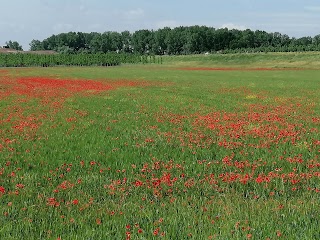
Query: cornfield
x=98 y=59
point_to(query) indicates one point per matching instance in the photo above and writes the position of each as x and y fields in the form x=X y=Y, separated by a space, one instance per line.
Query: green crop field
x=200 y=147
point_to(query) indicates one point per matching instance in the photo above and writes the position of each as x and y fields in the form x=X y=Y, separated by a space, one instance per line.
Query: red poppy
x=138 y=183
x=98 y=221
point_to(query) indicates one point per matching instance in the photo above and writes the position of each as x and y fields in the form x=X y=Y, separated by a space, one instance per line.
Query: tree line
x=179 y=40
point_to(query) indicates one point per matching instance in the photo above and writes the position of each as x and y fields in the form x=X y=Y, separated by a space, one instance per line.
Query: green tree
x=160 y=44
x=65 y=50
x=179 y=40
x=96 y=44
x=36 y=45
x=14 y=45
x=142 y=41
x=176 y=40
x=115 y=41
x=126 y=39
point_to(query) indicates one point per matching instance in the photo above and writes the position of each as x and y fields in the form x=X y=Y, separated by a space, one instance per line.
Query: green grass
x=177 y=154
x=269 y=60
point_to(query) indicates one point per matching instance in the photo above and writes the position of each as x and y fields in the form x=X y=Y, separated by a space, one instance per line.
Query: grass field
x=162 y=151
x=289 y=60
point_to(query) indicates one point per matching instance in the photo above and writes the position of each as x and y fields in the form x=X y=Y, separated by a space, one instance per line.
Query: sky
x=25 y=20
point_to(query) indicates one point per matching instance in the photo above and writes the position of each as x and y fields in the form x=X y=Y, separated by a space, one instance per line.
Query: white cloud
x=62 y=27
x=95 y=27
x=82 y=7
x=167 y=23
x=13 y=27
x=136 y=12
x=132 y=14
x=233 y=26
x=312 y=8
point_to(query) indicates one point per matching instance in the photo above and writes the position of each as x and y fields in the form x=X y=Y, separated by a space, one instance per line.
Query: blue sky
x=24 y=20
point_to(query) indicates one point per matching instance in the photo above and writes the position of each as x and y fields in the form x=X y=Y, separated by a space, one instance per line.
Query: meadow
x=201 y=147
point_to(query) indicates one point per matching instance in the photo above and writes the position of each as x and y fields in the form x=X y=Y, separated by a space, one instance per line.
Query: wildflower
x=156 y=231
x=259 y=179
x=19 y=185
x=279 y=233
x=128 y=235
x=138 y=183
x=53 y=202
